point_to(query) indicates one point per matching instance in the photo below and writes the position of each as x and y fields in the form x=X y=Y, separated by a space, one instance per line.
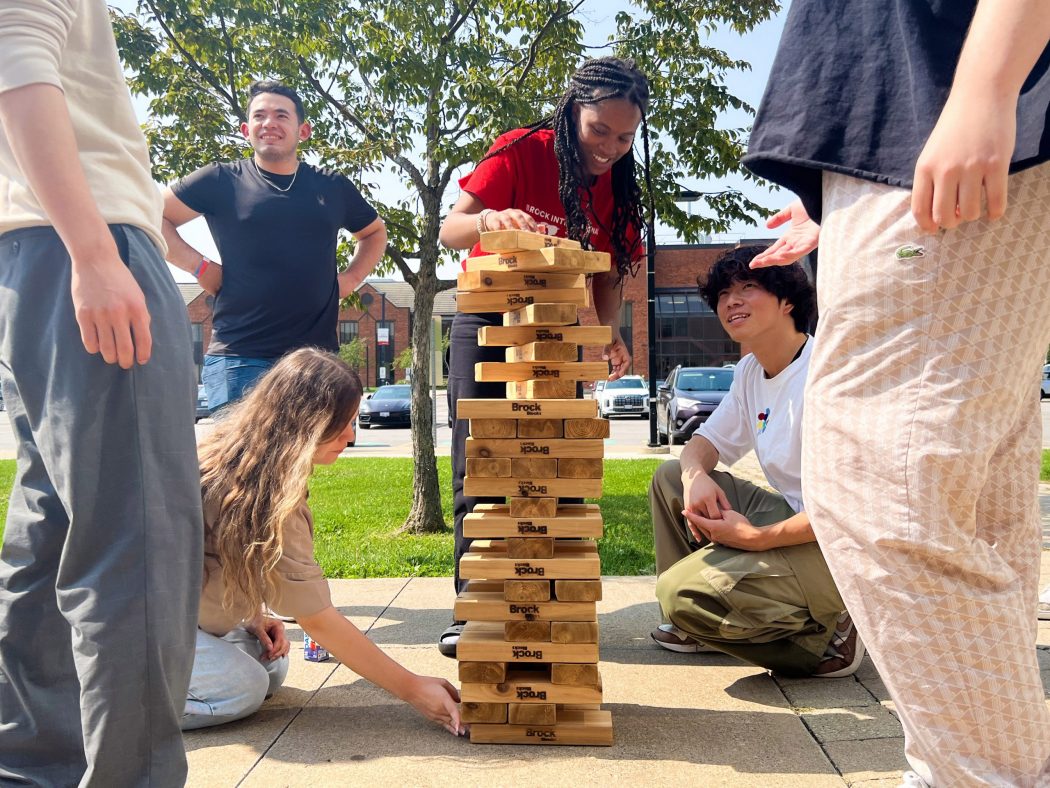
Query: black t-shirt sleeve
x=359 y=214
x=201 y=190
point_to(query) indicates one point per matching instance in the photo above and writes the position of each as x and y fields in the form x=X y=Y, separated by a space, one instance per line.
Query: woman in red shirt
x=573 y=175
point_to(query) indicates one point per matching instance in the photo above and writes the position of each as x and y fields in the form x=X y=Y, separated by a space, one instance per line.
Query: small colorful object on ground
x=314 y=651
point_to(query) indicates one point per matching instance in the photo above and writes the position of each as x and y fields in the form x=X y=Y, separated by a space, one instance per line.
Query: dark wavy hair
x=595 y=81
x=787 y=282
x=278 y=89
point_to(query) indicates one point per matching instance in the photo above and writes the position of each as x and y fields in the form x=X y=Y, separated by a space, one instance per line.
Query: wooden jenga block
x=477 y=281
x=541 y=315
x=587 y=428
x=508 y=336
x=482 y=641
x=482 y=487
x=563 y=548
x=574 y=631
x=485 y=586
x=490 y=467
x=494 y=428
x=491 y=606
x=532 y=713
x=544 y=351
x=533 y=467
x=552 y=259
x=526 y=447
x=483 y=712
x=567 y=522
x=575 y=468
x=526 y=590
x=483 y=672
x=493 y=566
x=521 y=506
x=541 y=389
x=540 y=428
x=583 y=727
x=577 y=590
x=518 y=547
x=502 y=300
x=527 y=630
x=519 y=372
x=575 y=674
x=508 y=409
x=520 y=240
x=530 y=686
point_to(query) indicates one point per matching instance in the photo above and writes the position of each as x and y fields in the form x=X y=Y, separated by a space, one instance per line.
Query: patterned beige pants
x=921 y=447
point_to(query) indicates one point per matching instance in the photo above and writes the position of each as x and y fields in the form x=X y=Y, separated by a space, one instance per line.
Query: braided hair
x=595 y=81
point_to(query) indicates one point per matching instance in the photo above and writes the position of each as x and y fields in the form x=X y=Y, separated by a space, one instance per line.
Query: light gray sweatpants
x=101 y=561
x=921 y=462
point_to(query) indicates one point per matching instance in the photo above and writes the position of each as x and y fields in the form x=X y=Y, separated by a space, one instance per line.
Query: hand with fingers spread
x=436 y=700
x=111 y=311
x=731 y=529
x=799 y=240
x=965 y=162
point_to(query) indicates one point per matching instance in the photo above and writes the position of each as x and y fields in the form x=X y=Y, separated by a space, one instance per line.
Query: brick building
x=687 y=331
x=384 y=324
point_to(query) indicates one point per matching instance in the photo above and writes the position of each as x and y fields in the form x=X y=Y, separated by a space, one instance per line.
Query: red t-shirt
x=525 y=176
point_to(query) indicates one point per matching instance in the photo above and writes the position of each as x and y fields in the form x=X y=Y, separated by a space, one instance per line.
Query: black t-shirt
x=857 y=88
x=279 y=289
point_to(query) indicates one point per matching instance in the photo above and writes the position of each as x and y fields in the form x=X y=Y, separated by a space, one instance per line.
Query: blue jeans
x=230 y=679
x=227 y=378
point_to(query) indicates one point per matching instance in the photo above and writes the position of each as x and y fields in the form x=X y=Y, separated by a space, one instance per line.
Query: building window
x=385 y=351
x=689 y=333
x=347 y=331
x=627 y=328
x=197 y=330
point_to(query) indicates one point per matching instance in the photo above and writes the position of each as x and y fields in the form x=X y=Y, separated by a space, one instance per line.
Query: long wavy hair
x=595 y=81
x=256 y=462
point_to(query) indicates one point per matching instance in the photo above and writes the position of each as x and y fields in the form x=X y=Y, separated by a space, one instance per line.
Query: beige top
x=69 y=44
x=301 y=588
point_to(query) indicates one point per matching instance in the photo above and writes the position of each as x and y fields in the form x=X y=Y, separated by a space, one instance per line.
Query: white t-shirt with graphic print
x=764 y=414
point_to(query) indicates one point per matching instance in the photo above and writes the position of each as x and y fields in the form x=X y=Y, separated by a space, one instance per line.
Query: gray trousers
x=773 y=608
x=101 y=561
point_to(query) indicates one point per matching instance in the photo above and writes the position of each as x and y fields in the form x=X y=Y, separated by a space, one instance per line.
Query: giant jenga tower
x=528 y=656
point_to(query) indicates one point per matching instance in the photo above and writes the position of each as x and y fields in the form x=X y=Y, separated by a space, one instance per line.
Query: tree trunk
x=425 y=515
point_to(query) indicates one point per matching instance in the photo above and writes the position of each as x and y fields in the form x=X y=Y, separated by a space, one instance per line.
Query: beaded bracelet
x=481 y=226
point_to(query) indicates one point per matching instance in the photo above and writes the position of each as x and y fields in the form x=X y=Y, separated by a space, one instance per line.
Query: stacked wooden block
x=528 y=656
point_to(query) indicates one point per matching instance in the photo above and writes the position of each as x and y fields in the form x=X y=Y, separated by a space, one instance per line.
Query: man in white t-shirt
x=739 y=567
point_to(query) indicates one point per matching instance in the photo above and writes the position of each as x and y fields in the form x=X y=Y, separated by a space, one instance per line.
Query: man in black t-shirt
x=276 y=223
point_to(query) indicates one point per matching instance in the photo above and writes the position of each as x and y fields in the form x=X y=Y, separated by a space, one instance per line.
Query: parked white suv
x=628 y=396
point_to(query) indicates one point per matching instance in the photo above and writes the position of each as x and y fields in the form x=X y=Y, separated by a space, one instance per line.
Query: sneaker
x=845 y=651
x=1044 y=605
x=448 y=640
x=912 y=780
x=672 y=638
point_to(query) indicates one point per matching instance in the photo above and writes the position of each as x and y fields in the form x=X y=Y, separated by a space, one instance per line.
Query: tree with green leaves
x=419 y=90
x=354 y=353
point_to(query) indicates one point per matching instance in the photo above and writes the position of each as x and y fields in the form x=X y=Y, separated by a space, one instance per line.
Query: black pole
x=650 y=294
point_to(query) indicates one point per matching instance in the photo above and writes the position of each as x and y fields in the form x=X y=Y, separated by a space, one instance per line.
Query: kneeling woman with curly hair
x=258 y=548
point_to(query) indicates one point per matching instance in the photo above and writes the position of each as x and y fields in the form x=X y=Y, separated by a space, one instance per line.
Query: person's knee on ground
x=247 y=683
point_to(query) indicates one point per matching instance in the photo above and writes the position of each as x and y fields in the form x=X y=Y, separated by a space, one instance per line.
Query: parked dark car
x=202 y=404
x=687 y=398
x=1044 y=390
x=388 y=405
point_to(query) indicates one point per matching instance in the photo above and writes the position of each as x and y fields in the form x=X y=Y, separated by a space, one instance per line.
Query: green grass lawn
x=359 y=504
x=1044 y=471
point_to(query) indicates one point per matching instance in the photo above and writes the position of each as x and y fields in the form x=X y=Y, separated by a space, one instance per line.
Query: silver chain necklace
x=273 y=185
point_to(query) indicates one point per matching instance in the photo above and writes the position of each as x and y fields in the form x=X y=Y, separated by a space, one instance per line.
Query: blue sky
x=757 y=47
